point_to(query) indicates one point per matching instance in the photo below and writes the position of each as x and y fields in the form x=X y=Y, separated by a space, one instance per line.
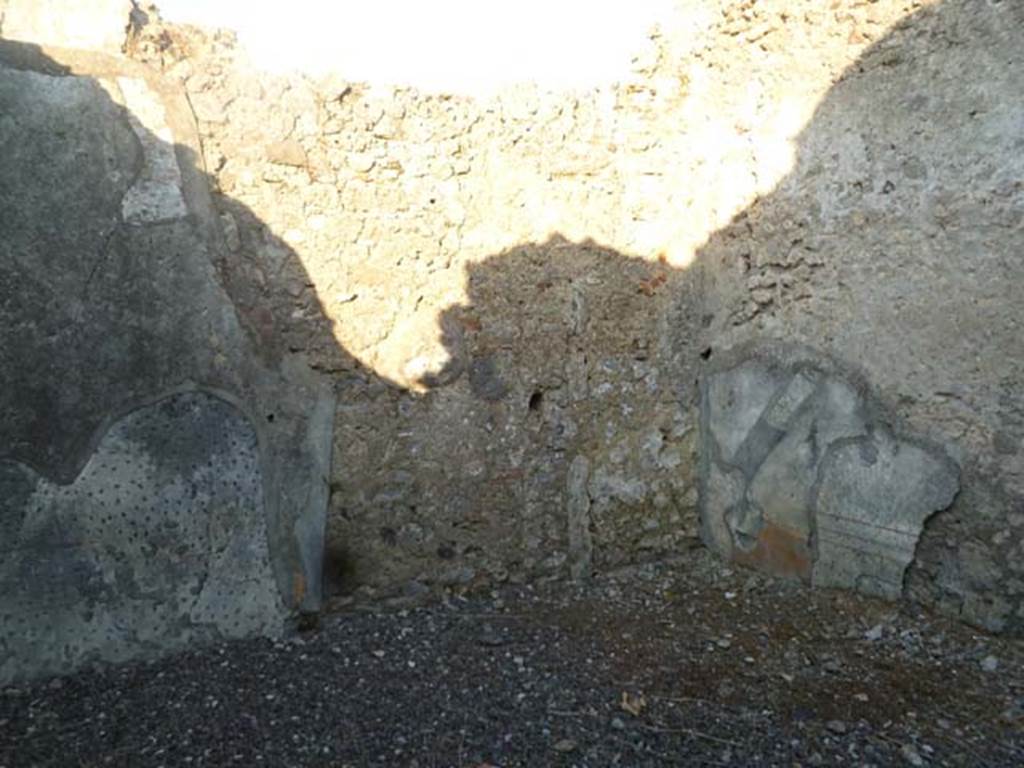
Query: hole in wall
x=446 y=551
x=339 y=571
x=270 y=418
x=705 y=353
x=536 y=401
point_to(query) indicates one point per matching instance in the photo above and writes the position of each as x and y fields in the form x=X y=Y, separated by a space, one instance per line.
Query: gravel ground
x=644 y=667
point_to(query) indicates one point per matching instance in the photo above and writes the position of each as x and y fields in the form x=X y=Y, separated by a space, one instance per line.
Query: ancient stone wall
x=517 y=295
x=541 y=311
x=894 y=245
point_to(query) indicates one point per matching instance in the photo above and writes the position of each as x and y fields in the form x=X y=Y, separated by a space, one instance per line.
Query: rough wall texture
x=895 y=244
x=121 y=536
x=520 y=299
x=516 y=296
x=477 y=351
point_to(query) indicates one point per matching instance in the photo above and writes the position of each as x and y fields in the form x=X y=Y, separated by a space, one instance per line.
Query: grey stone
x=873 y=497
x=837 y=726
x=1006 y=443
x=802 y=476
x=485 y=379
x=875 y=633
x=911 y=756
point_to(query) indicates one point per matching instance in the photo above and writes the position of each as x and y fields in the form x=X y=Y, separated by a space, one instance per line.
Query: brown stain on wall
x=779 y=551
x=298 y=587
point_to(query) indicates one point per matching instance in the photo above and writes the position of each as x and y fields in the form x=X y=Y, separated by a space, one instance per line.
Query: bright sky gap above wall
x=462 y=46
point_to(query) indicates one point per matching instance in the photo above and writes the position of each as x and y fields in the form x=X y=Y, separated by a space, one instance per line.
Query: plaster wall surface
x=518 y=301
x=895 y=244
x=160 y=541
x=163 y=476
x=516 y=296
x=804 y=475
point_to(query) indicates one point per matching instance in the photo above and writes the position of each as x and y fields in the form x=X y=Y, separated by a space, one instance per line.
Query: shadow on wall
x=894 y=246
x=561 y=428
x=162 y=471
x=164 y=467
x=573 y=447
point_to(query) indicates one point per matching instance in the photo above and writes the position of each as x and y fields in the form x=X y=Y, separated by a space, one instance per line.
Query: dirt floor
x=686 y=663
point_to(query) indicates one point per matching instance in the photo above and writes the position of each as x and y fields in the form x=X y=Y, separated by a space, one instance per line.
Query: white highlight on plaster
x=156 y=194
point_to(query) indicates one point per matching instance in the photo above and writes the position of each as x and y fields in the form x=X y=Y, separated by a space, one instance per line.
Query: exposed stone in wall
x=894 y=245
x=840 y=175
x=803 y=476
x=161 y=540
x=581 y=545
x=515 y=297
x=445 y=258
x=547 y=434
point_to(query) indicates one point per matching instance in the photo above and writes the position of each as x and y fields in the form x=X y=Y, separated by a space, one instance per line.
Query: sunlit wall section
x=391 y=190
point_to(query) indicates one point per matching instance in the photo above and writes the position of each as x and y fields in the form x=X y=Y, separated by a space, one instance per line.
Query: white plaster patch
x=156 y=194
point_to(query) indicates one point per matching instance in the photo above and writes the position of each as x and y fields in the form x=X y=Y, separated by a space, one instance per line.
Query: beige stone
x=99 y=25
